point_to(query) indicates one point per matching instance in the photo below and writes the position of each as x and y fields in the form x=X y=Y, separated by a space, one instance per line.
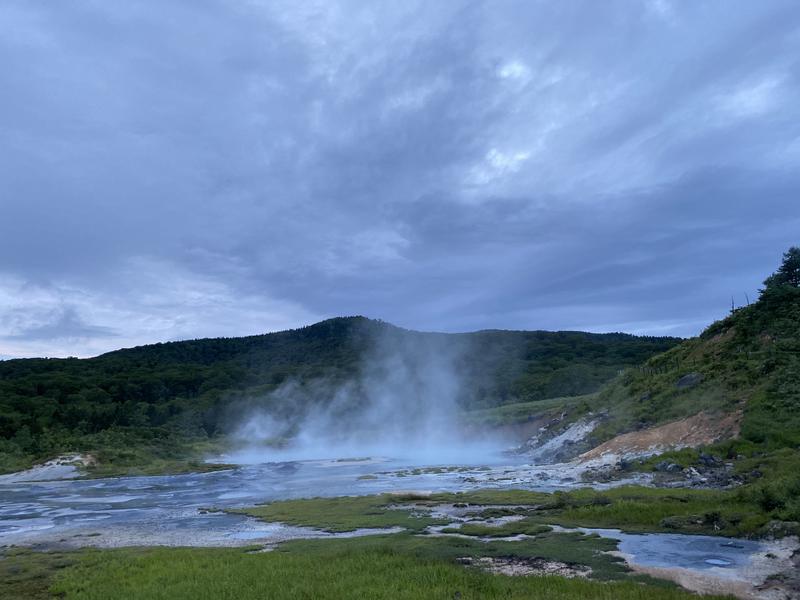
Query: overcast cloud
x=180 y=169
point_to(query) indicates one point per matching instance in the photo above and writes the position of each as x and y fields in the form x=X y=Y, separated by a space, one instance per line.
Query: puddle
x=696 y=552
x=719 y=562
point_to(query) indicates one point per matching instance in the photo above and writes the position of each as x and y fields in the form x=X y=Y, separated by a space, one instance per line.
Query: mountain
x=740 y=379
x=154 y=395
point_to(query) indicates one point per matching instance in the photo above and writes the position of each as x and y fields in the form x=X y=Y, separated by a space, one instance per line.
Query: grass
x=120 y=454
x=750 y=511
x=521 y=412
x=735 y=513
x=341 y=514
x=28 y=575
x=155 y=467
x=490 y=496
x=772 y=476
x=749 y=360
x=570 y=548
x=638 y=509
x=521 y=527
x=128 y=451
x=400 y=567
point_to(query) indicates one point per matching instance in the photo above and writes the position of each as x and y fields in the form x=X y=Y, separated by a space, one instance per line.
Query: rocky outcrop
x=559 y=440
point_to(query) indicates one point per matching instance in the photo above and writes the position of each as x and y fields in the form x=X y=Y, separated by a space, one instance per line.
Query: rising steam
x=404 y=403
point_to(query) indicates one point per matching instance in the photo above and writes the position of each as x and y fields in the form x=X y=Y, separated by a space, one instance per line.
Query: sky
x=184 y=169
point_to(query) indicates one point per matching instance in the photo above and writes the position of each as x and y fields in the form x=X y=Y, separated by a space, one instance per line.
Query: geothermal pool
x=173 y=510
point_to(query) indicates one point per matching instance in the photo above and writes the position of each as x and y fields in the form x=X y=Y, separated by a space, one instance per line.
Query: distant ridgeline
x=141 y=405
x=193 y=387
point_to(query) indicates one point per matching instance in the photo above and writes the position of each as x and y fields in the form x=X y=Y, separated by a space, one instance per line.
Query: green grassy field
x=750 y=511
x=520 y=412
x=387 y=567
x=402 y=565
x=341 y=514
x=524 y=526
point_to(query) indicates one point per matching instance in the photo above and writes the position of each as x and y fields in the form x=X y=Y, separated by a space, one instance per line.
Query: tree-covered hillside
x=164 y=391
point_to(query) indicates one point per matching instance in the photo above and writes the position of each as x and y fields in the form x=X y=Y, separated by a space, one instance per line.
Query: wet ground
x=174 y=510
x=171 y=509
x=684 y=551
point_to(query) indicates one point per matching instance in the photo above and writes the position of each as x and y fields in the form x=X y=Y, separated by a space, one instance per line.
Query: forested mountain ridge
x=186 y=388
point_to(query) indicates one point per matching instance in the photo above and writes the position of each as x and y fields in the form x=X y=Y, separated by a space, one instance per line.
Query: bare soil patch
x=701 y=429
x=526 y=566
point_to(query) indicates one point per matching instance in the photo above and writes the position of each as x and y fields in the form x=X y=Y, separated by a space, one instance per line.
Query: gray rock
x=708 y=460
x=668 y=467
x=689 y=380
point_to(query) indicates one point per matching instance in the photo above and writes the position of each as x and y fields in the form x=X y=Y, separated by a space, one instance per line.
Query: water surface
x=173 y=510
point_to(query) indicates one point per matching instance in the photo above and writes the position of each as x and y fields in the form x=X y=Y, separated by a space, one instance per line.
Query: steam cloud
x=404 y=403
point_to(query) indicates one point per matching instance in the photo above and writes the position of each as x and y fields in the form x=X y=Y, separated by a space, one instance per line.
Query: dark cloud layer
x=183 y=169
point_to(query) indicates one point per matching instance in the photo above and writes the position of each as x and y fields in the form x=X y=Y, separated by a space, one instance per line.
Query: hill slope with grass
x=723 y=407
x=728 y=402
x=747 y=364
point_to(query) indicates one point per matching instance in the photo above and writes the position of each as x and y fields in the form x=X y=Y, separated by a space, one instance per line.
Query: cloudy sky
x=181 y=169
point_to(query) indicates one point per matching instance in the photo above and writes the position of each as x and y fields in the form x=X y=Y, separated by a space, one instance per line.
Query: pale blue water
x=169 y=509
x=697 y=552
x=28 y=509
